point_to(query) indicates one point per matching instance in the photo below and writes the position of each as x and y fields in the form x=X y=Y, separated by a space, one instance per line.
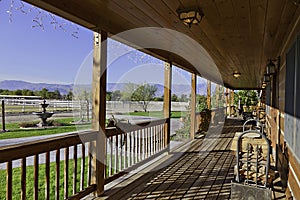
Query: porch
x=235 y=38
x=201 y=169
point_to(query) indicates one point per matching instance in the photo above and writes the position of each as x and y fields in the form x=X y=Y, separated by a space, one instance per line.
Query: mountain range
x=177 y=89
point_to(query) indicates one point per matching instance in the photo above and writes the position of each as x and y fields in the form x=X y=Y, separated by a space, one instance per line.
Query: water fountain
x=43 y=115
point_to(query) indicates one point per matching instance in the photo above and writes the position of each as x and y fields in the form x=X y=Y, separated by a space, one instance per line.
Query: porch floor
x=203 y=169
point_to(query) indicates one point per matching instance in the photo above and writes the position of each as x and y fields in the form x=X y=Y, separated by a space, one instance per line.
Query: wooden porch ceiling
x=238 y=35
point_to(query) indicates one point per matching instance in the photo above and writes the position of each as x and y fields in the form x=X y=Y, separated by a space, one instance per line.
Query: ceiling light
x=236 y=74
x=190 y=16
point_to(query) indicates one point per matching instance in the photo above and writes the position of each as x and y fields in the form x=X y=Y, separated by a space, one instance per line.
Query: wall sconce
x=271 y=68
x=190 y=16
x=236 y=74
x=266 y=78
x=264 y=85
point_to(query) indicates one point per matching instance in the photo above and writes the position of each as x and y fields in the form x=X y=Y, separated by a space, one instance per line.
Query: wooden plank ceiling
x=239 y=35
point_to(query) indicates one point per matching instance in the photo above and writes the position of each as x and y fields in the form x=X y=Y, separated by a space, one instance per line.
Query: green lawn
x=30 y=180
x=16 y=132
x=159 y=114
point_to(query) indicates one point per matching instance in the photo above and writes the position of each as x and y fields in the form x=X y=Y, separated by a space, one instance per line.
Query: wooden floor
x=203 y=170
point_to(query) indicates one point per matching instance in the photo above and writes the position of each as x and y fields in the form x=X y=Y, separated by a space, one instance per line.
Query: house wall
x=287 y=160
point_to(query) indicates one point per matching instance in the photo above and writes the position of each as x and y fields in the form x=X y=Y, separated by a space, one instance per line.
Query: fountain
x=43 y=115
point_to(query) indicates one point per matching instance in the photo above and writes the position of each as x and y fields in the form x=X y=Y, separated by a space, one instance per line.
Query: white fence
x=23 y=105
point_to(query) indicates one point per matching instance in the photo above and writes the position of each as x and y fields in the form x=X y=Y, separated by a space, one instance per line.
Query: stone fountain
x=43 y=115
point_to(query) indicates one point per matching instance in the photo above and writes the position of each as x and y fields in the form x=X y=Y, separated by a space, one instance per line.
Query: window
x=292 y=98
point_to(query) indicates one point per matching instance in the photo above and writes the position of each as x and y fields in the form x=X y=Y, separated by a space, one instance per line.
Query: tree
x=116 y=95
x=17 y=92
x=200 y=103
x=183 y=98
x=246 y=97
x=56 y=94
x=144 y=93
x=174 y=98
x=44 y=93
x=70 y=95
x=128 y=90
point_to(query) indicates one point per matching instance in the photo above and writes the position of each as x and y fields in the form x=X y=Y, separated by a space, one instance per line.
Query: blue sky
x=61 y=52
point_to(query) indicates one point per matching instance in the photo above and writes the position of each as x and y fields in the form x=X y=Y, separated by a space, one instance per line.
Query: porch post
x=231 y=101
x=99 y=110
x=167 y=102
x=217 y=95
x=227 y=103
x=208 y=100
x=193 y=105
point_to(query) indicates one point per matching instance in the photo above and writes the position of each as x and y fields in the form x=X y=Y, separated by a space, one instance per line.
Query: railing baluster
x=141 y=145
x=66 y=173
x=144 y=143
x=126 y=152
x=36 y=176
x=82 y=166
x=47 y=176
x=111 y=155
x=147 y=142
x=9 y=180
x=161 y=136
x=117 y=155
x=75 y=169
x=135 y=147
x=122 y=149
x=23 y=179
x=130 y=148
x=57 y=177
x=155 y=139
x=150 y=141
x=89 y=164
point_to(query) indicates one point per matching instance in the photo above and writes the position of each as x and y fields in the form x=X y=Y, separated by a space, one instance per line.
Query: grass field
x=30 y=180
x=16 y=132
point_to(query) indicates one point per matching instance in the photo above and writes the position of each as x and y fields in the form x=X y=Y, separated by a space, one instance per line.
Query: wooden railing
x=129 y=145
x=47 y=157
x=62 y=167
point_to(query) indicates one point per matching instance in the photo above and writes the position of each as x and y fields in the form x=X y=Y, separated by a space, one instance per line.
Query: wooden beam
x=193 y=105
x=167 y=102
x=208 y=100
x=99 y=109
